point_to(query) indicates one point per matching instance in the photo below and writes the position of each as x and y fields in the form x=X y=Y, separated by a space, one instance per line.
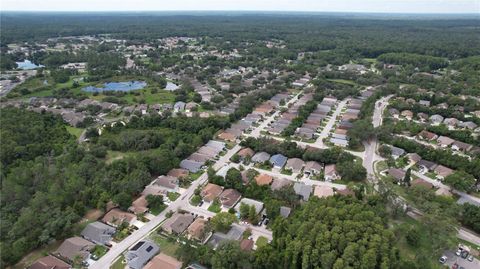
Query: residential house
x=397 y=174
x=245 y=153
x=442 y=171
x=49 y=262
x=414 y=157
x=230 y=197
x=339 y=142
x=116 y=217
x=424 y=103
x=427 y=135
x=295 y=165
x=407 y=114
x=422 y=183
x=423 y=117
x=263 y=179
x=98 y=233
x=394 y=112
x=141 y=253
x=210 y=192
x=191 y=166
x=178 y=173
x=227 y=136
x=278 y=161
x=331 y=173
x=250 y=202
x=260 y=157
x=279 y=183
x=426 y=166
x=397 y=152
x=196 y=230
x=312 y=168
x=444 y=141
x=302 y=190
x=468 y=125
x=451 y=122
x=436 y=119
x=179 y=106
x=246 y=244
x=177 y=223
x=167 y=183
x=139 y=206
x=323 y=191
x=163 y=261
x=75 y=247
x=461 y=146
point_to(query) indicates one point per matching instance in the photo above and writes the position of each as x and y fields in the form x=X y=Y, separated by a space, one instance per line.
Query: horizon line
x=240 y=10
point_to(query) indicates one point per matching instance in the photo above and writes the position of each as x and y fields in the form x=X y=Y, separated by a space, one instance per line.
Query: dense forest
x=48 y=181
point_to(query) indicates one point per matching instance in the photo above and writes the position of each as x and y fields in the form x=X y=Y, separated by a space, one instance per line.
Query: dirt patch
x=93 y=214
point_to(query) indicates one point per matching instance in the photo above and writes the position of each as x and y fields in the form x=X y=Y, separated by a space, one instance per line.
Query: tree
x=461 y=181
x=123 y=200
x=222 y=221
x=413 y=236
x=352 y=171
x=252 y=214
x=233 y=179
x=154 y=201
x=244 y=211
x=229 y=255
x=407 y=178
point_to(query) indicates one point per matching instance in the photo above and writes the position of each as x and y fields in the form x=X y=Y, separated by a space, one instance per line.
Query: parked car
x=464 y=254
x=458 y=253
x=470 y=258
x=443 y=259
x=455 y=266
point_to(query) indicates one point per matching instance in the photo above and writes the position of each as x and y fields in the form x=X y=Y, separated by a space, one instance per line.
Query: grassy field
x=75 y=131
x=119 y=264
x=167 y=246
x=344 y=81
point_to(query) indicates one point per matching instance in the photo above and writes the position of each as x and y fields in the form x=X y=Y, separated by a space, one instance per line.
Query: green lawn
x=99 y=251
x=157 y=210
x=167 y=245
x=215 y=207
x=119 y=263
x=75 y=131
x=344 y=81
x=173 y=196
x=261 y=241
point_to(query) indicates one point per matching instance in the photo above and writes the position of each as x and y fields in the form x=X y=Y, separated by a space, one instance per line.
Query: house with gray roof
x=278 y=161
x=302 y=190
x=141 y=253
x=260 y=157
x=250 y=202
x=436 y=119
x=285 y=211
x=396 y=152
x=191 y=166
x=98 y=233
x=179 y=106
x=295 y=165
x=178 y=223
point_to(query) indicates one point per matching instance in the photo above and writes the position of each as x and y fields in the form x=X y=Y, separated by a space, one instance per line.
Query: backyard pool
x=118 y=86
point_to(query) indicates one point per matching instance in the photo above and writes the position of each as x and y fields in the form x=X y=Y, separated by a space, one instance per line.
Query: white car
x=459 y=252
x=443 y=259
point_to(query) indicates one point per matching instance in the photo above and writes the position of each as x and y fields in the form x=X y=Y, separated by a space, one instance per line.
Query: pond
x=27 y=65
x=171 y=86
x=118 y=86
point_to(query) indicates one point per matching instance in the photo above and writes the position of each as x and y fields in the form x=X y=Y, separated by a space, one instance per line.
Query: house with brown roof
x=444 y=141
x=196 y=230
x=163 y=261
x=461 y=146
x=295 y=165
x=422 y=183
x=139 y=206
x=75 y=247
x=49 y=262
x=279 y=183
x=245 y=153
x=177 y=223
x=116 y=217
x=414 y=157
x=227 y=137
x=396 y=173
x=442 y=171
x=407 y=114
x=345 y=192
x=246 y=244
x=426 y=135
x=230 y=197
x=263 y=179
x=312 y=168
x=210 y=192
x=331 y=172
x=178 y=173
x=323 y=191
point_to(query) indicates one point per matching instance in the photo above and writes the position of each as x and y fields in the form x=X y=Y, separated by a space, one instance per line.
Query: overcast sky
x=385 y=6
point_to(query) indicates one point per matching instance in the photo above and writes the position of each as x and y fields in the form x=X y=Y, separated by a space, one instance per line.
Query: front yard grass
x=167 y=245
x=172 y=196
x=215 y=207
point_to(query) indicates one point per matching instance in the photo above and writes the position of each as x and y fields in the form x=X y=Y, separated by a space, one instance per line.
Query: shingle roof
x=278 y=160
x=302 y=190
x=98 y=232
